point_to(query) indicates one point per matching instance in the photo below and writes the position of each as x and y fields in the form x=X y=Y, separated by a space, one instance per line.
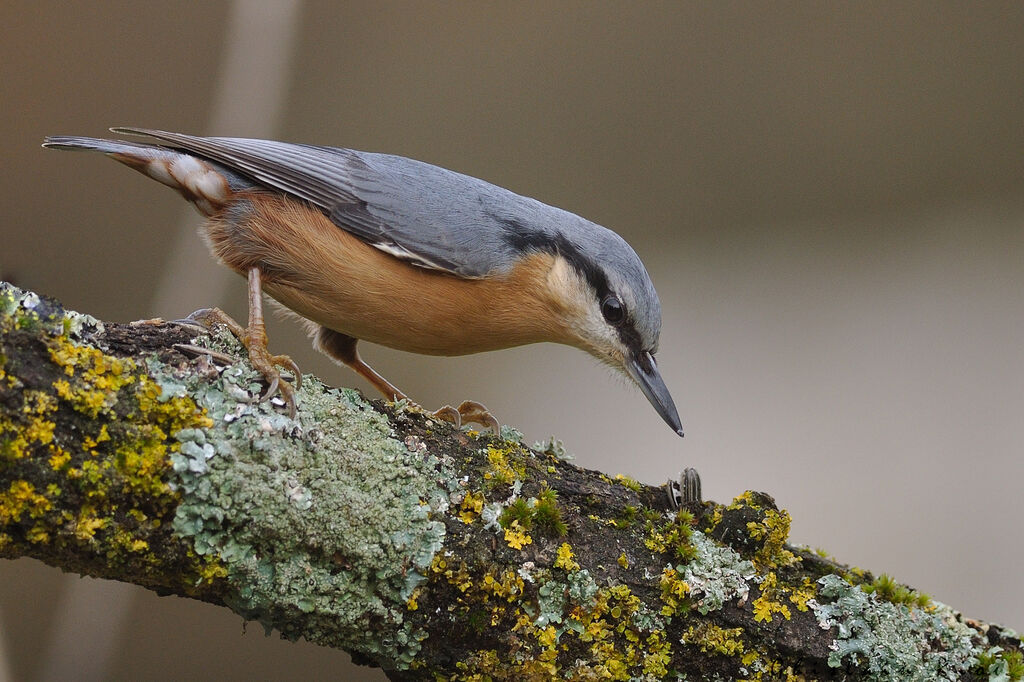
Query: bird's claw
x=262 y=361
x=469 y=411
x=267 y=364
x=449 y=414
x=205 y=319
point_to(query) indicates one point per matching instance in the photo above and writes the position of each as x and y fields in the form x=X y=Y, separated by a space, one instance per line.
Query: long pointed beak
x=645 y=373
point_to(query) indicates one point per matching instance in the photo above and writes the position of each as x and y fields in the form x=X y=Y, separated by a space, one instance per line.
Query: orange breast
x=326 y=275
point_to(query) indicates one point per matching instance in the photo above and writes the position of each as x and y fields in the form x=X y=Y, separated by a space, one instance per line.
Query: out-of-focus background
x=829 y=198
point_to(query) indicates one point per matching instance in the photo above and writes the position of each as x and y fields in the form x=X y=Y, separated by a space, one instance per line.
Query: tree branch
x=427 y=551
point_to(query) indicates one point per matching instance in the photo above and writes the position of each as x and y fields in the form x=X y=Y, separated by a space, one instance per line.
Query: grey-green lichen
x=892 y=641
x=716 y=575
x=322 y=522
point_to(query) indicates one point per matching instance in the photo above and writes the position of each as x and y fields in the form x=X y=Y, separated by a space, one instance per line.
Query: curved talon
x=210 y=317
x=289 y=364
x=267 y=365
x=275 y=382
x=449 y=414
x=205 y=319
x=472 y=411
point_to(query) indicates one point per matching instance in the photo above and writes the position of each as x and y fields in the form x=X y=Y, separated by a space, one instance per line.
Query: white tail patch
x=198 y=181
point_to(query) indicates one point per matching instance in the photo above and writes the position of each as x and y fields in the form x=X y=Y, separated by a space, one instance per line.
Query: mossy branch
x=430 y=552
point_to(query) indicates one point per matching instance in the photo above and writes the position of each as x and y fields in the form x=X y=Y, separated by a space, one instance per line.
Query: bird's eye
x=611 y=308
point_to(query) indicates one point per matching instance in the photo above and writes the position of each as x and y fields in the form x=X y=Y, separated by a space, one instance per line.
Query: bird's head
x=608 y=306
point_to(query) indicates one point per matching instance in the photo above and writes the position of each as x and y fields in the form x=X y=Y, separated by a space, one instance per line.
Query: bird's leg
x=254 y=338
x=342 y=348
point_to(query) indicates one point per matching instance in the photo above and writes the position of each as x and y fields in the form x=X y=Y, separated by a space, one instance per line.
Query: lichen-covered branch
x=430 y=552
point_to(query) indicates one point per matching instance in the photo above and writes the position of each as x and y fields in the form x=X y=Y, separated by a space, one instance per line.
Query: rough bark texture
x=430 y=552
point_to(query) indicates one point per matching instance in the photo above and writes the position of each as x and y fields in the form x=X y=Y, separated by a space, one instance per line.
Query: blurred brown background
x=829 y=197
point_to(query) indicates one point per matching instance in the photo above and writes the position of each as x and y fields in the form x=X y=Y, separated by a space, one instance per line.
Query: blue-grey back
x=426 y=214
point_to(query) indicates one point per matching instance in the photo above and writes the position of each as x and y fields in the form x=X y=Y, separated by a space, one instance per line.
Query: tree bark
x=127 y=453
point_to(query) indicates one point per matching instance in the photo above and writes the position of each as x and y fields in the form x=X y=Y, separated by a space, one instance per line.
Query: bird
x=402 y=253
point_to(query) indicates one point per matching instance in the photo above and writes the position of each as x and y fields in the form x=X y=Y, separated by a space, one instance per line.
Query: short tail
x=205 y=184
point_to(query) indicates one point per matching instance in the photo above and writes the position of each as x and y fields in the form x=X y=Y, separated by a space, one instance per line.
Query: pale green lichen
x=322 y=522
x=551 y=602
x=892 y=641
x=716 y=575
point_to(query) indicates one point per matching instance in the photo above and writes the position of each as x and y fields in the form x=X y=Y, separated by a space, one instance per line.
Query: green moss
x=627 y=517
x=672 y=537
x=519 y=511
x=1000 y=665
x=885 y=588
x=542 y=513
x=547 y=516
x=629 y=482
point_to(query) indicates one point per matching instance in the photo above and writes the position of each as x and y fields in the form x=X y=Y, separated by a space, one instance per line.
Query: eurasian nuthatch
x=404 y=254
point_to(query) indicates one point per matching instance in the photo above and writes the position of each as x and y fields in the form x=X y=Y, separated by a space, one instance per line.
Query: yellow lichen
x=673 y=592
x=658 y=655
x=21 y=498
x=715 y=639
x=37 y=535
x=505 y=584
x=766 y=604
x=59 y=459
x=501 y=469
x=564 y=558
x=618 y=649
x=88 y=523
x=772 y=531
x=35 y=426
x=98 y=377
x=471 y=507
x=38 y=405
x=803 y=594
x=208 y=569
x=412 y=602
x=516 y=537
x=122 y=451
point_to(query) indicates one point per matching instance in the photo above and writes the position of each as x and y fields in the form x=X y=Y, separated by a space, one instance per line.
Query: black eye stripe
x=523 y=238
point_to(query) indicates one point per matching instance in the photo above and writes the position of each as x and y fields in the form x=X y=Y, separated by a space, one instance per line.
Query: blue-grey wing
x=426 y=215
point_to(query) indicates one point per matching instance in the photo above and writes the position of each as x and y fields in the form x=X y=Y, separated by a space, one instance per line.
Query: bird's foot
x=206 y=319
x=469 y=411
x=255 y=341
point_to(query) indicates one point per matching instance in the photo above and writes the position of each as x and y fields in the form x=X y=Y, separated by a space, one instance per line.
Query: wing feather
x=420 y=213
